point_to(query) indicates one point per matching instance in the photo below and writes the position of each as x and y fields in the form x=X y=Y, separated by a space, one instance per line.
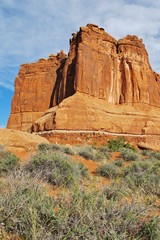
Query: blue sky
x=32 y=29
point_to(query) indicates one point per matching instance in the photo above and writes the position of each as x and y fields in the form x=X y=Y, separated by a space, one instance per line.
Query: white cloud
x=142 y=20
x=31 y=29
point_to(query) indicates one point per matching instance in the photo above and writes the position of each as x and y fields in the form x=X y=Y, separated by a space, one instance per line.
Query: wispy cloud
x=7 y=76
x=31 y=29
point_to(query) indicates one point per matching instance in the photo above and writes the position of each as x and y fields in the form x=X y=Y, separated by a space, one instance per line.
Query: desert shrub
x=146 y=152
x=86 y=151
x=118 y=143
x=68 y=149
x=144 y=175
x=105 y=151
x=100 y=156
x=118 y=162
x=155 y=155
x=115 y=191
x=56 y=147
x=139 y=166
x=29 y=213
x=150 y=230
x=26 y=210
x=93 y=153
x=45 y=147
x=8 y=162
x=151 y=154
x=145 y=166
x=129 y=155
x=111 y=193
x=56 y=168
x=92 y=216
x=148 y=182
x=108 y=171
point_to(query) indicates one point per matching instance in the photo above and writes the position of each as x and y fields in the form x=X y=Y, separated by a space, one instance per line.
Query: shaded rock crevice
x=57 y=93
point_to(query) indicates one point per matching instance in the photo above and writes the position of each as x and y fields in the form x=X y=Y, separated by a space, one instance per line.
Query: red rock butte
x=103 y=84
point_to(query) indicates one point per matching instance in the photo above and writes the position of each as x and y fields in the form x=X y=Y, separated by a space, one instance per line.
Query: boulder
x=20 y=143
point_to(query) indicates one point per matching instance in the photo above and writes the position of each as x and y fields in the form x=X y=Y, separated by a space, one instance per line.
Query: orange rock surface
x=22 y=144
x=103 y=84
x=84 y=112
x=34 y=91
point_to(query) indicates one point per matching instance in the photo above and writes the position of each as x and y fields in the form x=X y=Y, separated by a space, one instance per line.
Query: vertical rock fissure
x=56 y=96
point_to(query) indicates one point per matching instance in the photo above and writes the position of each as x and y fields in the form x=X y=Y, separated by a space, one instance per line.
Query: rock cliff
x=38 y=87
x=103 y=84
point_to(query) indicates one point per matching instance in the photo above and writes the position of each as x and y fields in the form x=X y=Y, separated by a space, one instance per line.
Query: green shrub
x=150 y=230
x=56 y=147
x=129 y=155
x=99 y=156
x=45 y=147
x=105 y=151
x=155 y=155
x=26 y=210
x=92 y=216
x=143 y=167
x=108 y=171
x=151 y=154
x=119 y=162
x=115 y=191
x=118 y=143
x=111 y=193
x=57 y=168
x=146 y=152
x=93 y=153
x=29 y=213
x=87 y=152
x=68 y=149
x=145 y=175
x=8 y=162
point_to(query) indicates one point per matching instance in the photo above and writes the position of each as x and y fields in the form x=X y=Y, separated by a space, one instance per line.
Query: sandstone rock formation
x=103 y=84
x=84 y=112
x=36 y=88
x=20 y=143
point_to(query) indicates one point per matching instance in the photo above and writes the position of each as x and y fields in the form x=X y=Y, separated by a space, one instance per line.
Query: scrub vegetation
x=53 y=195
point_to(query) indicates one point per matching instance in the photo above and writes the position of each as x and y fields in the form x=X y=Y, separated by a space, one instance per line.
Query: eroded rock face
x=102 y=84
x=117 y=71
x=36 y=88
x=84 y=112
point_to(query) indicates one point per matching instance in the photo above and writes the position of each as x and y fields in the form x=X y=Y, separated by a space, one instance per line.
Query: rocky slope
x=103 y=84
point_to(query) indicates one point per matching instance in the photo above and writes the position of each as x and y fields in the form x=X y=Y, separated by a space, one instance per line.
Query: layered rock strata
x=38 y=87
x=103 y=84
